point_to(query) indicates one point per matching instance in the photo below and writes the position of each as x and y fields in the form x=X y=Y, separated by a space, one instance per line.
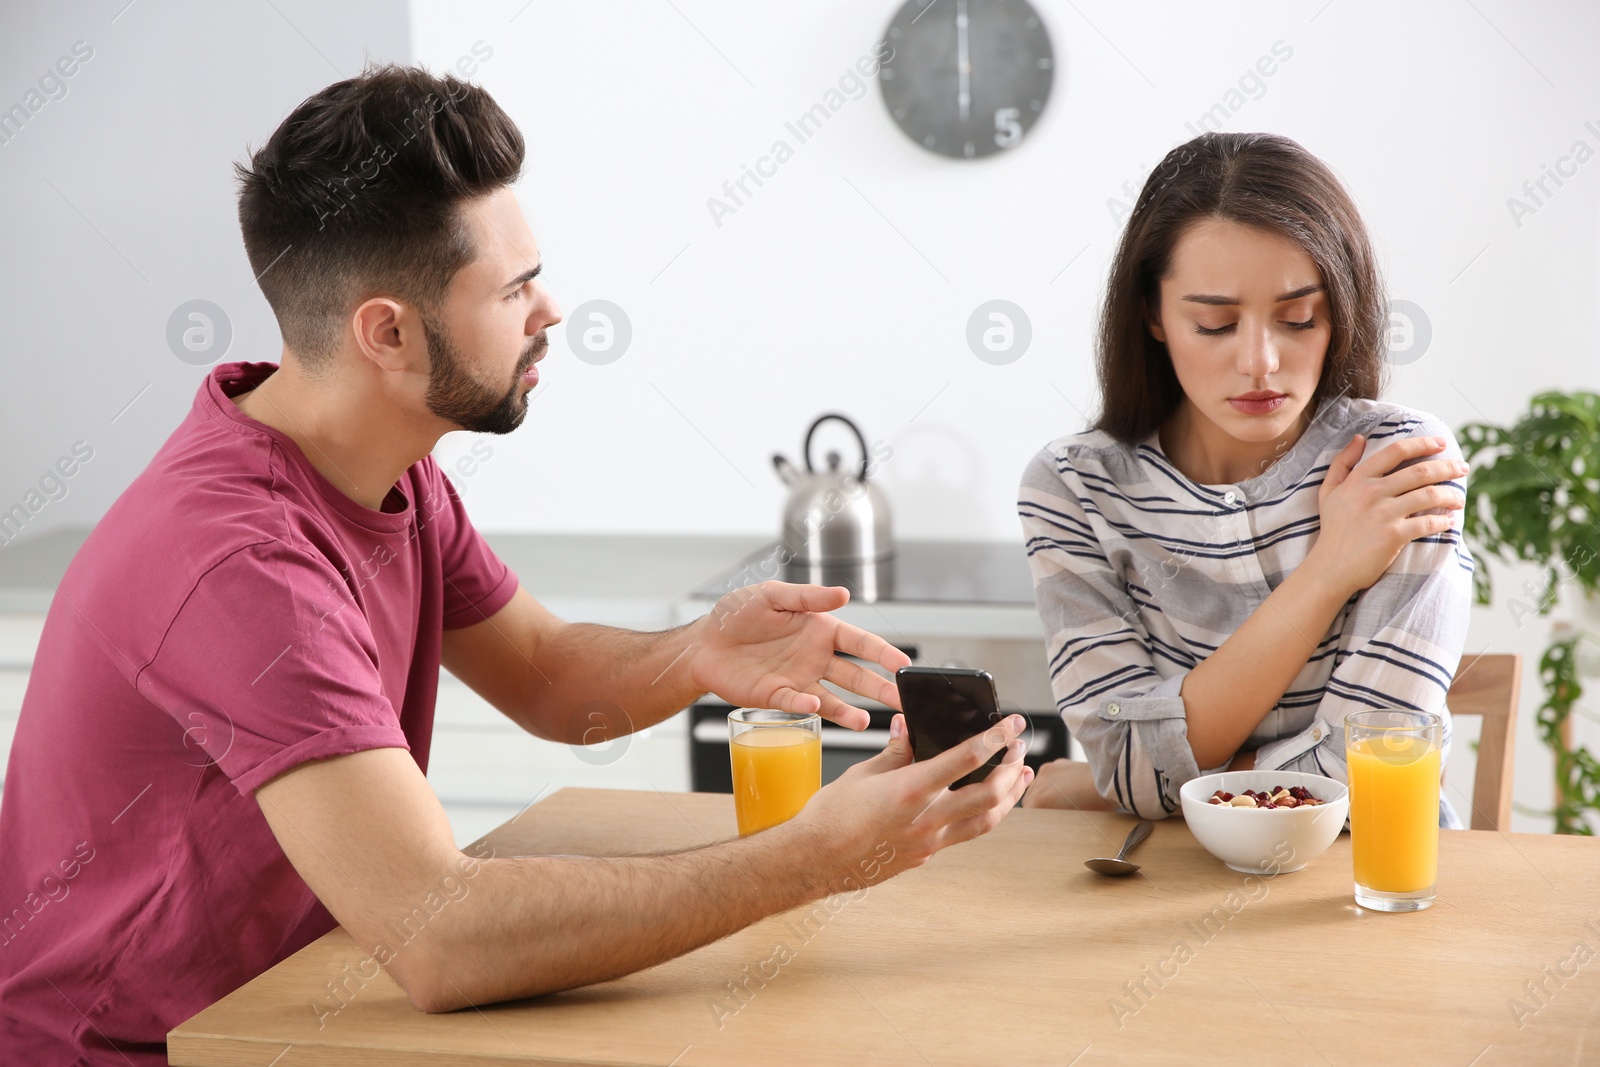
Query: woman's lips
x=1246 y=405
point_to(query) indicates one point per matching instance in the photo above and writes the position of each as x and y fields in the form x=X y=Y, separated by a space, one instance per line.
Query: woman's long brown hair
x=1256 y=179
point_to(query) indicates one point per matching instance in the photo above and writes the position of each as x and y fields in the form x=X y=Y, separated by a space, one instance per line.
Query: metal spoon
x=1120 y=866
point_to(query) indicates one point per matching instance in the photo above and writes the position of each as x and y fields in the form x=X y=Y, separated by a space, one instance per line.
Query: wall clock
x=967 y=78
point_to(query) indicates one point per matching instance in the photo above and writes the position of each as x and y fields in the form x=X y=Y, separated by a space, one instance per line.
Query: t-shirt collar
x=228 y=380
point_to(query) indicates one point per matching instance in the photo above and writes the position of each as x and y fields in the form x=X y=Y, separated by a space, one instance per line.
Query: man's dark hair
x=358 y=193
x=1256 y=179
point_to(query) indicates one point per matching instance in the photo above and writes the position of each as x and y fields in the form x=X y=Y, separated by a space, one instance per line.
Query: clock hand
x=963 y=61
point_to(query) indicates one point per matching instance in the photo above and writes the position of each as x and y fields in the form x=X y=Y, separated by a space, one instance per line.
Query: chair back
x=1488 y=685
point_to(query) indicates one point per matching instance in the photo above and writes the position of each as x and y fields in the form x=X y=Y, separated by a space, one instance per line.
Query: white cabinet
x=13 y=681
x=480 y=757
x=19 y=636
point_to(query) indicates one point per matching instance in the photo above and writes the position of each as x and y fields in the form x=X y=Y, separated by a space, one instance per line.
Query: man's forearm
x=594 y=683
x=1226 y=697
x=539 y=925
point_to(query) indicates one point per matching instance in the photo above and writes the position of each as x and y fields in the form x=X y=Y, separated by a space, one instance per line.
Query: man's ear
x=390 y=334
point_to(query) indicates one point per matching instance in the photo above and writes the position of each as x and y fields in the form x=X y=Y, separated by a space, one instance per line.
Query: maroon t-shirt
x=232 y=616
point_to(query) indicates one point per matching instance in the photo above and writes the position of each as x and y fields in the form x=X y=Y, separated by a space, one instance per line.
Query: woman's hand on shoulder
x=1373 y=508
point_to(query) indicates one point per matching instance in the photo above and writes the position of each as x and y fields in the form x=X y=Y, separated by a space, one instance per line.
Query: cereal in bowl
x=1276 y=797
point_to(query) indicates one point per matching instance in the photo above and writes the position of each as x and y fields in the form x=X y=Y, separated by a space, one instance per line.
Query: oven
x=944 y=604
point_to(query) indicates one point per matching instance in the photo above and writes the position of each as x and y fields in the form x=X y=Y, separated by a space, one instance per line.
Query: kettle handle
x=861 y=440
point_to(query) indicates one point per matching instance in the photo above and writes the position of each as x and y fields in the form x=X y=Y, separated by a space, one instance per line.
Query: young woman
x=1248 y=544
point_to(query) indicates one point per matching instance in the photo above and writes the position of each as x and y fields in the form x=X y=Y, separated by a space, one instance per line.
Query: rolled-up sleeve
x=1128 y=717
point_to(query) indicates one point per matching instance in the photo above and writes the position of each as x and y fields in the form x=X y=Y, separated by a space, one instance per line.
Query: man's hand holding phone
x=944 y=706
x=909 y=805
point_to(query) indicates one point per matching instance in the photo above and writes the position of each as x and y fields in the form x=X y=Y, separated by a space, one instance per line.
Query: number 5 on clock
x=1007 y=126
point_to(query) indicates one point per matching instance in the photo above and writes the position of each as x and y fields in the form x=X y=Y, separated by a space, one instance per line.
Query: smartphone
x=946 y=705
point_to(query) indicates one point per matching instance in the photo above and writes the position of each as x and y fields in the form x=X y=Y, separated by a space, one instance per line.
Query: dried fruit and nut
x=1276 y=797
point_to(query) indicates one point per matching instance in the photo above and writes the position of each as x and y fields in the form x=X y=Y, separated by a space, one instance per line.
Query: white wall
x=119 y=206
x=807 y=299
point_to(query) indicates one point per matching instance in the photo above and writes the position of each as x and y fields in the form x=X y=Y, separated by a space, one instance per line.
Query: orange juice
x=1394 y=813
x=775 y=771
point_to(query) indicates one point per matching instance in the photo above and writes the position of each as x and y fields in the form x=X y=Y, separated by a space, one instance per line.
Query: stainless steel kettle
x=836 y=525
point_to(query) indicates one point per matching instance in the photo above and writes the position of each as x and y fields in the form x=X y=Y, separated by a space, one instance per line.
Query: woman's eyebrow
x=1206 y=298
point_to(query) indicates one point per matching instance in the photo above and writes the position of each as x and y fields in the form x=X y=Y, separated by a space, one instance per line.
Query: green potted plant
x=1534 y=496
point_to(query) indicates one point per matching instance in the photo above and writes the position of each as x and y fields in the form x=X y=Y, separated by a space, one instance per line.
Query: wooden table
x=1006 y=950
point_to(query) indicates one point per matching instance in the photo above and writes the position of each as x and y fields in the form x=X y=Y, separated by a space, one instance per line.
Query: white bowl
x=1258 y=840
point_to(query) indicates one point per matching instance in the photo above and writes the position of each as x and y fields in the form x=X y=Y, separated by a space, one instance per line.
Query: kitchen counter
x=30 y=570
x=618 y=579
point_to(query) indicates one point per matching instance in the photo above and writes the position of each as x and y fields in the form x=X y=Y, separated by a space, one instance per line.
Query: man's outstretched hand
x=772 y=645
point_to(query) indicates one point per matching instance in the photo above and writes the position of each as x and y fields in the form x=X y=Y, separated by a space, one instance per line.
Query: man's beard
x=455 y=396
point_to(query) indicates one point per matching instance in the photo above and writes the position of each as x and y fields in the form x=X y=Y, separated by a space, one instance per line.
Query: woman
x=1248 y=544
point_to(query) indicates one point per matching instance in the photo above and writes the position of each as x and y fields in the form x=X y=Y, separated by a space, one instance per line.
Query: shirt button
x=1113 y=708
x=1230 y=498
x=1316 y=733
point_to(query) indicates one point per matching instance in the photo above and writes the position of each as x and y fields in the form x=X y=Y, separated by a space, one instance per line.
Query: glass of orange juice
x=777 y=764
x=1393 y=756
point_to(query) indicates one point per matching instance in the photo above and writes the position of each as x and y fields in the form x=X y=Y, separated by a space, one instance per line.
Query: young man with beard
x=232 y=702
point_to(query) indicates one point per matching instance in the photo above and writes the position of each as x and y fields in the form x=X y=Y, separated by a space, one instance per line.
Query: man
x=222 y=748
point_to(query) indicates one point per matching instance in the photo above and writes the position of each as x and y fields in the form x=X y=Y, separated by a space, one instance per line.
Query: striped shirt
x=1140 y=574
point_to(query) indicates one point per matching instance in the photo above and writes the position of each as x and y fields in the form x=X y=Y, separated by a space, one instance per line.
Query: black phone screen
x=946 y=705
